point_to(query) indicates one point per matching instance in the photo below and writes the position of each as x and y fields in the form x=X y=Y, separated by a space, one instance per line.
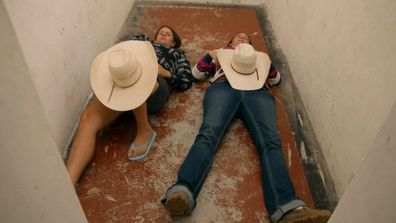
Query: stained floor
x=114 y=189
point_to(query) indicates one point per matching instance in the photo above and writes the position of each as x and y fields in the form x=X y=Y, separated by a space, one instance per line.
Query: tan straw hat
x=245 y=68
x=124 y=76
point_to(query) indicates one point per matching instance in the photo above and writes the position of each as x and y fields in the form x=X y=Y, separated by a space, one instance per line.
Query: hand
x=163 y=72
x=213 y=54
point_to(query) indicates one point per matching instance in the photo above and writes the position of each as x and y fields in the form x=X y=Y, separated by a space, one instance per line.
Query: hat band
x=114 y=83
x=255 y=71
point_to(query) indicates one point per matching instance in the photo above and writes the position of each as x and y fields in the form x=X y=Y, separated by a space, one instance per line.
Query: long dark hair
x=229 y=42
x=176 y=37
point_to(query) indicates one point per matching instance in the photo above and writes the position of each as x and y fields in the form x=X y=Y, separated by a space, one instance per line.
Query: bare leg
x=95 y=117
x=143 y=128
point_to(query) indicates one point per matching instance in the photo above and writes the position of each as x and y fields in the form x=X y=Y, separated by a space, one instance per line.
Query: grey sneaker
x=177 y=203
x=306 y=215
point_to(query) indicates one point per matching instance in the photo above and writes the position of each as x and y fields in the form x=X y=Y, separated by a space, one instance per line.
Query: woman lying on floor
x=239 y=74
x=136 y=75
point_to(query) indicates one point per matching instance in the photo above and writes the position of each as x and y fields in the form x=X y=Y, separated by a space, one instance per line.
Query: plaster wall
x=370 y=195
x=234 y=2
x=59 y=39
x=35 y=186
x=341 y=55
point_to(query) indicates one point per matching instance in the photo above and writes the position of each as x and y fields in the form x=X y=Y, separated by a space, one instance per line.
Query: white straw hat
x=245 y=68
x=124 y=76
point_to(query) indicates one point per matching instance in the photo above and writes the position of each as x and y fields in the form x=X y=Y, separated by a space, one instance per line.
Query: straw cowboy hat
x=124 y=76
x=245 y=68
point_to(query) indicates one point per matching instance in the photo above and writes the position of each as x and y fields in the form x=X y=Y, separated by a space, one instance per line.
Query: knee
x=210 y=138
x=88 y=121
x=210 y=133
x=203 y=148
x=273 y=143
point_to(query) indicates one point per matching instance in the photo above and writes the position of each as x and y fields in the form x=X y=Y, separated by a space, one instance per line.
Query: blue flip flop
x=149 y=144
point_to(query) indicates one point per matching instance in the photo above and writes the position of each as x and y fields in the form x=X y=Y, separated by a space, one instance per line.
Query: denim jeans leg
x=220 y=104
x=258 y=112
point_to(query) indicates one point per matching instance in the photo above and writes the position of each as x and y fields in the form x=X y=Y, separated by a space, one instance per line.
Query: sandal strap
x=149 y=144
x=134 y=148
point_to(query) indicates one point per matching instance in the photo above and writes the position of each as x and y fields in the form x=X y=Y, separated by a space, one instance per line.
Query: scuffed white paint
x=303 y=153
x=289 y=155
x=300 y=120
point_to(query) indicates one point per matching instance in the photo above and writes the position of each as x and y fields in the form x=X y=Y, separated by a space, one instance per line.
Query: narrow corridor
x=113 y=189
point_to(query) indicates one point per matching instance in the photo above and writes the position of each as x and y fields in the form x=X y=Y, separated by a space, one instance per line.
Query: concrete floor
x=114 y=189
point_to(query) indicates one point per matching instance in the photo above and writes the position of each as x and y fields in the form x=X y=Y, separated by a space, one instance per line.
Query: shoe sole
x=177 y=203
x=322 y=217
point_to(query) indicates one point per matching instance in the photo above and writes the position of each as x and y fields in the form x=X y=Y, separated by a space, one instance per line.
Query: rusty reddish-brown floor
x=114 y=189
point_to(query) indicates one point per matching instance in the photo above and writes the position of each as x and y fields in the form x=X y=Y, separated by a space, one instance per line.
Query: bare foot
x=141 y=144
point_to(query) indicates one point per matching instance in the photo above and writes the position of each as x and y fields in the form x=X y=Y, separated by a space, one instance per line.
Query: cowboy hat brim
x=123 y=99
x=239 y=81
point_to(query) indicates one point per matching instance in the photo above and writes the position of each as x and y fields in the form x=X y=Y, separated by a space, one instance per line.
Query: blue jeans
x=257 y=110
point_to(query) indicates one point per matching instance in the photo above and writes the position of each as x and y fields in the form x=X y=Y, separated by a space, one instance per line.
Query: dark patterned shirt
x=173 y=60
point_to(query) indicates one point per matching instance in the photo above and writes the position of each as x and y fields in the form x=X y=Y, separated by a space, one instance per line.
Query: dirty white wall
x=59 y=40
x=234 y=2
x=46 y=48
x=341 y=55
x=35 y=186
x=370 y=196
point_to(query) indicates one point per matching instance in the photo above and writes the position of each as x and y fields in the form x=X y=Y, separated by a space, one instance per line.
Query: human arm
x=274 y=77
x=206 y=66
x=182 y=77
x=164 y=72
